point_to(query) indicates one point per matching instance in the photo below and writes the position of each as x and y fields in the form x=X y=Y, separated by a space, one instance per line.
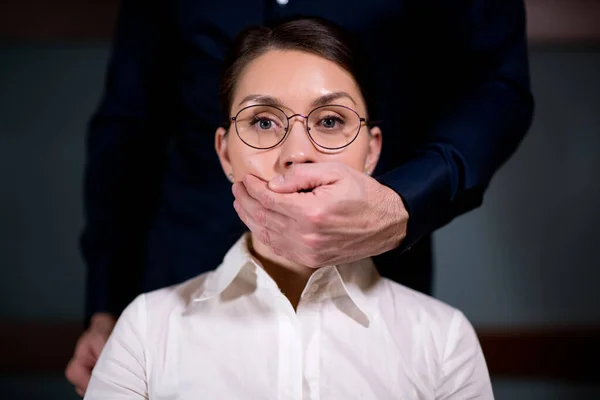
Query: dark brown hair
x=309 y=34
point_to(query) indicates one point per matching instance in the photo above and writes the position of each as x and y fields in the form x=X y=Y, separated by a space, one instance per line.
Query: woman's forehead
x=295 y=78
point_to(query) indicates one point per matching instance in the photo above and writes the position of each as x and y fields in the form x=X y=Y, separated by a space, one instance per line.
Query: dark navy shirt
x=455 y=102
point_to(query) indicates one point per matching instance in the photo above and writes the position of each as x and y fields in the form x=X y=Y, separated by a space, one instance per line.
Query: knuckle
x=310 y=241
x=404 y=214
x=261 y=216
x=316 y=218
x=267 y=200
x=82 y=342
x=284 y=228
x=69 y=371
x=241 y=214
x=265 y=237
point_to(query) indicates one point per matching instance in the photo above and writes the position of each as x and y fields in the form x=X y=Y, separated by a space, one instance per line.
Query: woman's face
x=296 y=81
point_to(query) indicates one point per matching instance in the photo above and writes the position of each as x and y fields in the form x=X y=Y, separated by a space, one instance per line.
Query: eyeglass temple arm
x=370 y=123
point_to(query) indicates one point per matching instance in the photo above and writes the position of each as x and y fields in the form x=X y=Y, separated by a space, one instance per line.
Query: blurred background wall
x=525 y=267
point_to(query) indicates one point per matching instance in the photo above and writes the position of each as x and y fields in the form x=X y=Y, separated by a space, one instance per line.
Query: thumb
x=304 y=177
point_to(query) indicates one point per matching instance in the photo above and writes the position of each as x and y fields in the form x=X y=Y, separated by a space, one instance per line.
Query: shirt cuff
x=424 y=184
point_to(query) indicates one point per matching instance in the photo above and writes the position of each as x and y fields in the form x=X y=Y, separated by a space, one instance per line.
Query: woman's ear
x=223 y=151
x=375 y=142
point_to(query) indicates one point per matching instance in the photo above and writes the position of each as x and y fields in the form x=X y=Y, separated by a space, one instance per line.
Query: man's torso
x=411 y=77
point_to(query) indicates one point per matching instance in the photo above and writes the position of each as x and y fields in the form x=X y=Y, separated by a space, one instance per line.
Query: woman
x=260 y=326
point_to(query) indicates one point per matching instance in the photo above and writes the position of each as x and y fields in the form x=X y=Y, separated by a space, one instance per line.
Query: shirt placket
x=290 y=368
x=309 y=315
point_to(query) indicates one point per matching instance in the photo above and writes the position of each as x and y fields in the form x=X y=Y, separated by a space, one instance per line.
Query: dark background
x=525 y=267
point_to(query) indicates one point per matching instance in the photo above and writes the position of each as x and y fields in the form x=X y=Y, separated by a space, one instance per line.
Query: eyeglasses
x=331 y=127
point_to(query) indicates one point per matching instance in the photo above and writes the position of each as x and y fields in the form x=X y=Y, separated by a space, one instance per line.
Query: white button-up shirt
x=231 y=334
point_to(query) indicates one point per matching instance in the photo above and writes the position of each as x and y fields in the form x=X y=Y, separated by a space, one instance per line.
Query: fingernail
x=234 y=189
x=236 y=206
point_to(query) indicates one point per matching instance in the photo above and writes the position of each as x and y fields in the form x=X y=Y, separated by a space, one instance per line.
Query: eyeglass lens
x=330 y=126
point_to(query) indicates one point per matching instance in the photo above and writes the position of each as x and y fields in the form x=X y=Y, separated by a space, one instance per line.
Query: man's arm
x=126 y=153
x=468 y=107
x=483 y=124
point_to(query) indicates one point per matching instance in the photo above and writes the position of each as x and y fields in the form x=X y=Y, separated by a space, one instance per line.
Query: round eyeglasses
x=331 y=127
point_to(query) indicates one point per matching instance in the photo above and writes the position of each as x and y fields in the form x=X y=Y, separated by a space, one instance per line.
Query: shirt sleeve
x=464 y=373
x=486 y=110
x=126 y=154
x=121 y=370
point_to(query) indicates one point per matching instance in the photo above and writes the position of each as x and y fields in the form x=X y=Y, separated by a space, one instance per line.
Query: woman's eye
x=263 y=123
x=331 y=122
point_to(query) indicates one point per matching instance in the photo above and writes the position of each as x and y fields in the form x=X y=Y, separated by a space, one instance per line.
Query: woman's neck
x=291 y=277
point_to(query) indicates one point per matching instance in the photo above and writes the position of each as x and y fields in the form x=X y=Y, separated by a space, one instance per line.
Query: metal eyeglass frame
x=362 y=121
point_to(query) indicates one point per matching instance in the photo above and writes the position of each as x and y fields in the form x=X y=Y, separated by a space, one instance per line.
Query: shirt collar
x=357 y=280
x=235 y=260
x=361 y=280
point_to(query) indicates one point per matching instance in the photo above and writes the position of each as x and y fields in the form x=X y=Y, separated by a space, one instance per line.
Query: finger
x=265 y=235
x=83 y=348
x=286 y=204
x=96 y=343
x=90 y=344
x=258 y=214
x=70 y=373
x=305 y=177
x=79 y=371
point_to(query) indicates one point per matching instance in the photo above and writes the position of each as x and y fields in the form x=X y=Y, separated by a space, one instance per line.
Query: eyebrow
x=330 y=97
x=262 y=99
x=273 y=101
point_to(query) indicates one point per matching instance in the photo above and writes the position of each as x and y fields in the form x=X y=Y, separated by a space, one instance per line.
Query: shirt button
x=282 y=2
x=314 y=289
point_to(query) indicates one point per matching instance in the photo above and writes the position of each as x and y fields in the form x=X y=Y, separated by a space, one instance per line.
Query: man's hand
x=88 y=349
x=322 y=214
